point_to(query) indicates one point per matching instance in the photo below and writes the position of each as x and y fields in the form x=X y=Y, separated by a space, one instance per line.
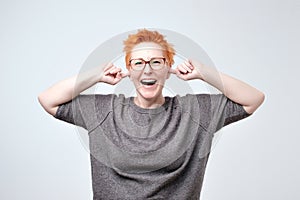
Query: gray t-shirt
x=158 y=153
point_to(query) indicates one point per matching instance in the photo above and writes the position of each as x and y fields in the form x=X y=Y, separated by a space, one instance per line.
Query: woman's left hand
x=188 y=70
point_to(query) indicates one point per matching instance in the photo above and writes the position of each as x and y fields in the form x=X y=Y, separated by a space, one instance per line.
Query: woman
x=150 y=146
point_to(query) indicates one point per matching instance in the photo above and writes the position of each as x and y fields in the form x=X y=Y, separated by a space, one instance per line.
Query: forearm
x=67 y=89
x=238 y=91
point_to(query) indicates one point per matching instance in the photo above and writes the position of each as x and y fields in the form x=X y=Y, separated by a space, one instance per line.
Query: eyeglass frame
x=147 y=62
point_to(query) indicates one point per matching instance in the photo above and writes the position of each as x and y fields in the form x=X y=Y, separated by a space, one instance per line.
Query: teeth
x=148 y=82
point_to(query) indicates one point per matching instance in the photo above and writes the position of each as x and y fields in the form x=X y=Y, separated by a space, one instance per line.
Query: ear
x=129 y=74
x=169 y=72
x=168 y=75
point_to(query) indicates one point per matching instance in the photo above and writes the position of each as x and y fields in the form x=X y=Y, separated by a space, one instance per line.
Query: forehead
x=147 y=50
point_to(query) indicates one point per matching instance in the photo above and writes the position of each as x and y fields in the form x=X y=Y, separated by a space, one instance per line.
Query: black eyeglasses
x=155 y=63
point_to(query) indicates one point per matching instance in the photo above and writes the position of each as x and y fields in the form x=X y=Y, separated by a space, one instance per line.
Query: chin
x=151 y=93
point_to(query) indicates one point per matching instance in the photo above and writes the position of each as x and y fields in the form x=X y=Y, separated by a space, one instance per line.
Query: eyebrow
x=144 y=59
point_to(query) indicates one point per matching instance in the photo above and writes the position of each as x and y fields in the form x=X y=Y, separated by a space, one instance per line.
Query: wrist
x=203 y=72
x=96 y=74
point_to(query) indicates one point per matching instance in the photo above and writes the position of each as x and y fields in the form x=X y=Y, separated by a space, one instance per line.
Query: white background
x=42 y=42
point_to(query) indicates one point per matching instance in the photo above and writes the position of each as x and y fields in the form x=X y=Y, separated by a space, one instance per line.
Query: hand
x=188 y=70
x=112 y=74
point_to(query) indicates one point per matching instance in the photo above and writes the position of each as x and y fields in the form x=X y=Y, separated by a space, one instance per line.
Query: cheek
x=164 y=74
x=134 y=76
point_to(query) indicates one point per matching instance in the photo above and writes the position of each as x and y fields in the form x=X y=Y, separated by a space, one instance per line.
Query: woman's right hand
x=69 y=88
x=112 y=74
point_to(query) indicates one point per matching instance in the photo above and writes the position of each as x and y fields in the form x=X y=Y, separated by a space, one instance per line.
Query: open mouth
x=148 y=81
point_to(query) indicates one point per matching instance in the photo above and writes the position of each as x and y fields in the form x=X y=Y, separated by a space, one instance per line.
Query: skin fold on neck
x=149 y=103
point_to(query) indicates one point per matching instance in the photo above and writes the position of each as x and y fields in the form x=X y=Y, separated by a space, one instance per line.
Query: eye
x=137 y=62
x=157 y=61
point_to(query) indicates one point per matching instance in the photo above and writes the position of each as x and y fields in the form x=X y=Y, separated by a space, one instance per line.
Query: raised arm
x=236 y=90
x=69 y=88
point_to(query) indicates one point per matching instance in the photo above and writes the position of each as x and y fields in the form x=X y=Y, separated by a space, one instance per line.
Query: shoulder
x=107 y=100
x=203 y=98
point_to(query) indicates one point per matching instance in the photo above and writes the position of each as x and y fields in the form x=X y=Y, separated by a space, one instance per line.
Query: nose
x=147 y=68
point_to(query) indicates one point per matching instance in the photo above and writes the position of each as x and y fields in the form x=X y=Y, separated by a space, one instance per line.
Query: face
x=148 y=82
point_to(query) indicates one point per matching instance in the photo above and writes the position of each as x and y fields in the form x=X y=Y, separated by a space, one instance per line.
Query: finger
x=115 y=70
x=195 y=63
x=173 y=71
x=178 y=73
x=118 y=77
x=189 y=64
x=182 y=69
x=125 y=74
x=108 y=66
x=186 y=66
x=112 y=70
x=108 y=69
x=182 y=76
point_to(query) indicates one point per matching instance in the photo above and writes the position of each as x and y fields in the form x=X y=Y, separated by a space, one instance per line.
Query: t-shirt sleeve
x=218 y=111
x=86 y=111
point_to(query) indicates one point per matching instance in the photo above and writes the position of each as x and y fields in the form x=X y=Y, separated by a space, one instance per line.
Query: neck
x=149 y=103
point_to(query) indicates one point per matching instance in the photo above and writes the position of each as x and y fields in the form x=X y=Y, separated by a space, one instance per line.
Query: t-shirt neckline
x=157 y=110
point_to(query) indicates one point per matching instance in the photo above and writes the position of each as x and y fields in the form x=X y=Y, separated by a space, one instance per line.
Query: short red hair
x=144 y=35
